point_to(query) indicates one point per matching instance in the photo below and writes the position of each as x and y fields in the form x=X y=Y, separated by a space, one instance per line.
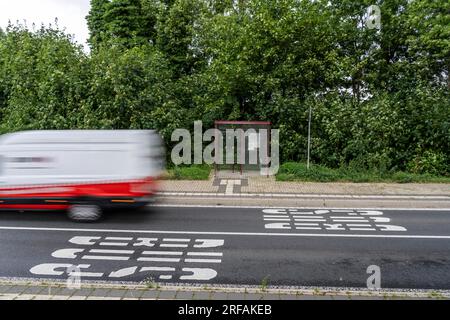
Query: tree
x=123 y=21
x=176 y=35
x=44 y=78
x=430 y=41
x=126 y=87
x=96 y=22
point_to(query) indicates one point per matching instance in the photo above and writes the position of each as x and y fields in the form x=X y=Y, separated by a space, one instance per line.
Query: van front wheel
x=84 y=213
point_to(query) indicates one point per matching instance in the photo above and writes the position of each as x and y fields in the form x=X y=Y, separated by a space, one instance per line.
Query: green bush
x=299 y=171
x=434 y=163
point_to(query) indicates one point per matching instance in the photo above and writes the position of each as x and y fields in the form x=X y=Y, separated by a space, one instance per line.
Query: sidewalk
x=268 y=185
x=48 y=290
x=232 y=189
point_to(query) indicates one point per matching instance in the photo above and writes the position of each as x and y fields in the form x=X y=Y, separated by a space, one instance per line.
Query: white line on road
x=302 y=196
x=206 y=254
x=163 y=253
x=264 y=234
x=282 y=207
x=112 y=258
x=159 y=259
x=202 y=261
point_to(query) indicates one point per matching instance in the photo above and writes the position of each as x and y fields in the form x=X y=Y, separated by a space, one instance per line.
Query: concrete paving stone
x=57 y=291
x=58 y=297
x=236 y=296
x=97 y=298
x=150 y=294
x=202 y=296
x=34 y=290
x=5 y=288
x=117 y=293
x=133 y=294
x=167 y=295
x=77 y=298
x=271 y=296
x=100 y=292
x=82 y=292
x=38 y=298
x=219 y=296
x=253 y=296
x=27 y=297
x=288 y=297
x=17 y=289
x=66 y=292
x=185 y=295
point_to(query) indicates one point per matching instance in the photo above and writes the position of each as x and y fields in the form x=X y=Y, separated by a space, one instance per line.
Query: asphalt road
x=233 y=246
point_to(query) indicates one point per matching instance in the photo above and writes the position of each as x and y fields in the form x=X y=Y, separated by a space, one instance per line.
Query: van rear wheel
x=84 y=213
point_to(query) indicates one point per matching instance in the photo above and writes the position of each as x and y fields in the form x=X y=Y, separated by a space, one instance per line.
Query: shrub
x=434 y=163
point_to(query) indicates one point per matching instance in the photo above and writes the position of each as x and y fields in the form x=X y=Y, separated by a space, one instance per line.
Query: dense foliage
x=380 y=96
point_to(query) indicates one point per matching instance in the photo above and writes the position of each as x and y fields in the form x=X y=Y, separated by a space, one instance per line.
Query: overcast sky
x=70 y=13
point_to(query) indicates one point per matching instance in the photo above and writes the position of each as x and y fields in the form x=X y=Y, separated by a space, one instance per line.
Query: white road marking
x=285 y=216
x=310 y=196
x=159 y=259
x=206 y=254
x=109 y=258
x=380 y=219
x=278 y=225
x=159 y=269
x=199 y=274
x=209 y=243
x=50 y=269
x=346 y=217
x=359 y=225
x=308 y=228
x=163 y=253
x=84 y=241
x=176 y=240
x=114 y=244
x=299 y=208
x=146 y=242
x=112 y=251
x=305 y=217
x=123 y=272
x=350 y=220
x=173 y=245
x=225 y=233
x=66 y=253
x=203 y=260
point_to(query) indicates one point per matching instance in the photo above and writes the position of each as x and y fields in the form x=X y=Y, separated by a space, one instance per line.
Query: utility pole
x=309 y=137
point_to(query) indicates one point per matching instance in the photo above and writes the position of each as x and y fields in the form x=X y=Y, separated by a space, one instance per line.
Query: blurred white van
x=81 y=171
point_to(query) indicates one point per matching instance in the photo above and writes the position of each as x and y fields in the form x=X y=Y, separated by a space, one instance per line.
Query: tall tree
x=123 y=21
x=96 y=22
x=430 y=41
x=176 y=35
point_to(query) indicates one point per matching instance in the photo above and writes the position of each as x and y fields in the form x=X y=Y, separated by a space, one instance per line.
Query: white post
x=309 y=137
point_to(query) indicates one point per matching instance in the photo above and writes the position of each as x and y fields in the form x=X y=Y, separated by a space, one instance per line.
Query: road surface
x=233 y=246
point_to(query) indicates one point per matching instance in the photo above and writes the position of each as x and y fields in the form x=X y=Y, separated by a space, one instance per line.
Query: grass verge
x=195 y=172
x=293 y=171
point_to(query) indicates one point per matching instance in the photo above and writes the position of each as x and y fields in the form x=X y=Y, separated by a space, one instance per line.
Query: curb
x=304 y=196
x=291 y=293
